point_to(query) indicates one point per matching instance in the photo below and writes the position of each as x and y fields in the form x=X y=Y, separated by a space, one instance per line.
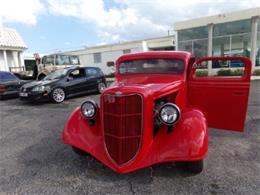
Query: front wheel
x=195 y=167
x=101 y=87
x=58 y=95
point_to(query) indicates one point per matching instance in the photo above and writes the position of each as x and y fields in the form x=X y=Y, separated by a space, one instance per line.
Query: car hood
x=147 y=85
x=36 y=83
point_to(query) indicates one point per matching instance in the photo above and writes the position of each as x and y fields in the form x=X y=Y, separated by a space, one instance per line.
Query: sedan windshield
x=152 y=66
x=56 y=74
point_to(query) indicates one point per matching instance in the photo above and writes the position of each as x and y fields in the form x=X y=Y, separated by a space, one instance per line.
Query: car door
x=92 y=78
x=220 y=93
x=76 y=81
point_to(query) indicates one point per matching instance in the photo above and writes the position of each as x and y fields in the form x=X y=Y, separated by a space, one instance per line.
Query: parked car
x=64 y=83
x=158 y=111
x=9 y=85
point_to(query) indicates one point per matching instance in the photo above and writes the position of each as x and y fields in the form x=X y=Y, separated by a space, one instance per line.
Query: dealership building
x=229 y=34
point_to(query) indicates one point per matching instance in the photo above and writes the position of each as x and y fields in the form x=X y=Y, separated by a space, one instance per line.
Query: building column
x=210 y=39
x=176 y=41
x=144 y=46
x=210 y=46
x=5 y=61
x=21 y=59
x=15 y=60
x=254 y=24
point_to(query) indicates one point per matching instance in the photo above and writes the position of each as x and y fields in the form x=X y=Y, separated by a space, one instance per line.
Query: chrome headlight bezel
x=162 y=111
x=92 y=105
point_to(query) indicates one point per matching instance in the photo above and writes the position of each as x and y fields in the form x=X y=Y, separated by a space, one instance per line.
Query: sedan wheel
x=101 y=87
x=58 y=95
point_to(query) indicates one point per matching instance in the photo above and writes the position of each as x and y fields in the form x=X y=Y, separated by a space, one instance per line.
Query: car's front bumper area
x=34 y=96
x=187 y=142
x=9 y=94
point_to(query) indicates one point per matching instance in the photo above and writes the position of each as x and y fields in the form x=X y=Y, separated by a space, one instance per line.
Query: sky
x=59 y=25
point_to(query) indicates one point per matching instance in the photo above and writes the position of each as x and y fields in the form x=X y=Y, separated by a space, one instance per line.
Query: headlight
x=169 y=113
x=89 y=109
x=39 y=88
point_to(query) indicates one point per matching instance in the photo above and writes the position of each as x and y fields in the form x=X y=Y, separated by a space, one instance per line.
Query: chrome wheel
x=101 y=87
x=58 y=95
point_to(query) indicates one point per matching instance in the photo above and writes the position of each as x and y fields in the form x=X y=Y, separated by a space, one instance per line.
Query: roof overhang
x=216 y=19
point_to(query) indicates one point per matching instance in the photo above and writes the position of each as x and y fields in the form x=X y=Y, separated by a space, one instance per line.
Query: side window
x=77 y=74
x=62 y=60
x=91 y=72
x=74 y=60
x=97 y=58
x=48 y=60
x=220 y=68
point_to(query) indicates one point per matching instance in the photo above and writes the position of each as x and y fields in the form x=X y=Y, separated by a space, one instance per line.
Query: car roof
x=155 y=54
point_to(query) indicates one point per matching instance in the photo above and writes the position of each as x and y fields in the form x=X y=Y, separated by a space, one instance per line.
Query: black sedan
x=9 y=85
x=64 y=83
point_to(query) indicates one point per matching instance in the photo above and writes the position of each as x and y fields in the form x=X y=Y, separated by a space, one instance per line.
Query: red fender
x=187 y=141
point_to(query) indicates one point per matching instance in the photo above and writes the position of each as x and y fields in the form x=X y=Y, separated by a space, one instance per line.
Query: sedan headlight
x=89 y=109
x=39 y=88
x=169 y=114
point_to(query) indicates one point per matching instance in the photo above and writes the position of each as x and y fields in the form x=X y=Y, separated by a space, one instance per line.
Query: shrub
x=238 y=72
x=201 y=73
x=224 y=72
x=256 y=72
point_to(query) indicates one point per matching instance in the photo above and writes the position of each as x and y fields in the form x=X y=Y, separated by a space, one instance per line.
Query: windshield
x=67 y=60
x=152 y=66
x=6 y=76
x=56 y=74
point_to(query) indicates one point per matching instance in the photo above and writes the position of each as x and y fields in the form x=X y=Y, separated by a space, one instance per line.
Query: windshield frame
x=151 y=73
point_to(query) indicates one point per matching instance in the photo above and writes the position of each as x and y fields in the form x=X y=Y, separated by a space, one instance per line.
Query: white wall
x=88 y=59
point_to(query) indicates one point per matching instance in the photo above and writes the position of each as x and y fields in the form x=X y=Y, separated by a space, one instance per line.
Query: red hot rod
x=159 y=110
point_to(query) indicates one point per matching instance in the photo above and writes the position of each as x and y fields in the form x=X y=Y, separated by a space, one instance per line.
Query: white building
x=11 y=50
x=99 y=55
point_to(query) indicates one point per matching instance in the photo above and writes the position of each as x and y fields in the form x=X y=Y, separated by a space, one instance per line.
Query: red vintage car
x=159 y=110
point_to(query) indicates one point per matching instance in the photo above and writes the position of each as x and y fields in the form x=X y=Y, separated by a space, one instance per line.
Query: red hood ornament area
x=159 y=110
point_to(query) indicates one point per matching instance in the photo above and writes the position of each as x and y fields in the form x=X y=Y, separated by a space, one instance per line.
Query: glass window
x=56 y=74
x=6 y=76
x=126 y=51
x=74 y=60
x=97 y=57
x=48 y=59
x=91 y=71
x=234 y=27
x=232 y=45
x=152 y=66
x=200 y=48
x=185 y=46
x=220 y=68
x=193 y=33
x=62 y=60
x=77 y=74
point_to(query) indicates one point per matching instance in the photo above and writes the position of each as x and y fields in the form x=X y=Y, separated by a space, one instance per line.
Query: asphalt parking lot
x=34 y=161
